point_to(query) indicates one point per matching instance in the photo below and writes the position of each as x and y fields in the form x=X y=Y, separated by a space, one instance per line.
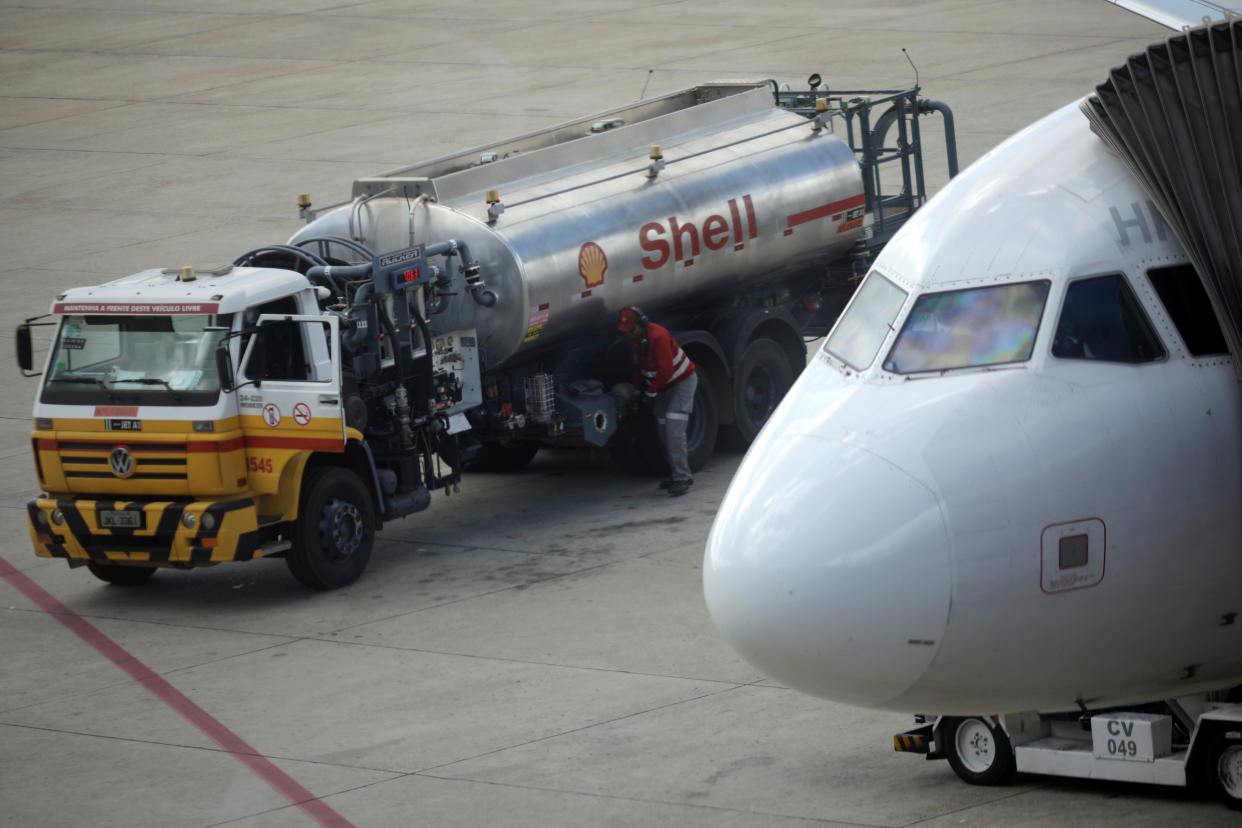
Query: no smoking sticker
x=301 y=414
x=271 y=414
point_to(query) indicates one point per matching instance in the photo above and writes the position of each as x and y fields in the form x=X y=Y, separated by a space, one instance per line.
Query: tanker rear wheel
x=636 y=446
x=702 y=429
x=760 y=380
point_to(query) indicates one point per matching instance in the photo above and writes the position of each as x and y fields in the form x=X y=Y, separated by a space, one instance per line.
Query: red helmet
x=629 y=317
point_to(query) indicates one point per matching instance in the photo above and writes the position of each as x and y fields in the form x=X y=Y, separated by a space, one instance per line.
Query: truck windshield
x=142 y=360
x=969 y=328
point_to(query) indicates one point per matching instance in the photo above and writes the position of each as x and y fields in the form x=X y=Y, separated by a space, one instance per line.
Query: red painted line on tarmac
x=212 y=728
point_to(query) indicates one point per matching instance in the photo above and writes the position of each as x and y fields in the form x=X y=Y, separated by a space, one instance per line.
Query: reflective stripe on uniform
x=681 y=365
x=677 y=415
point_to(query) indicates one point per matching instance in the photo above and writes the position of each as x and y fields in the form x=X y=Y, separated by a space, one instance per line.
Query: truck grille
x=151 y=461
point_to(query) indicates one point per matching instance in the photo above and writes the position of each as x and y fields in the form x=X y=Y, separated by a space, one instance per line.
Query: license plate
x=116 y=519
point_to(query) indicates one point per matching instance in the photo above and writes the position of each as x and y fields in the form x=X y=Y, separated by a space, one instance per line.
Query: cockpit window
x=969 y=328
x=858 y=335
x=1102 y=320
x=1181 y=290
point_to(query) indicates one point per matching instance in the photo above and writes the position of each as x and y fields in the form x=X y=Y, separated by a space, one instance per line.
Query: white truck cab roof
x=168 y=291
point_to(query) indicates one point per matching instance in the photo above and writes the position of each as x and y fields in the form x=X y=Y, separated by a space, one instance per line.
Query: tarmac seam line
x=1039 y=57
x=161 y=688
x=571 y=731
x=966 y=808
x=491 y=592
x=535 y=663
x=672 y=803
x=393 y=773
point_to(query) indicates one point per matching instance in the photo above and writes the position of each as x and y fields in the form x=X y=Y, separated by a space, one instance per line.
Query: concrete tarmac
x=534 y=651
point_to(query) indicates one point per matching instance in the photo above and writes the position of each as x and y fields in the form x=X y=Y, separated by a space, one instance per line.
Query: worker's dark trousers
x=672 y=413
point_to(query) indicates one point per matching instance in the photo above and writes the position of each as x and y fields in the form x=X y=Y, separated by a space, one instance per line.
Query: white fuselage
x=1032 y=535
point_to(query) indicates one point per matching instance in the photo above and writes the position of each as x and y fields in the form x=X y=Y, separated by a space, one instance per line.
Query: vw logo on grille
x=121 y=461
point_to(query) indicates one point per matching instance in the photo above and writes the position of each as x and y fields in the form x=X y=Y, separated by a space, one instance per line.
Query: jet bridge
x=1174 y=116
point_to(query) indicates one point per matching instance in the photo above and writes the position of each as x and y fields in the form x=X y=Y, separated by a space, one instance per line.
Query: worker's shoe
x=679 y=487
x=668 y=482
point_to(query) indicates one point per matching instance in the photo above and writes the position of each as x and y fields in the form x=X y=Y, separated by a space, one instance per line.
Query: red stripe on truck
x=825 y=210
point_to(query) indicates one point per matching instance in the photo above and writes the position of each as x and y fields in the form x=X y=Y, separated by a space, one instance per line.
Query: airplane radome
x=1012 y=478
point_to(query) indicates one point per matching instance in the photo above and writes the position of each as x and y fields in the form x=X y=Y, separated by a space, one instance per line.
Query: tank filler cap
x=189 y=273
x=494 y=207
x=304 y=207
x=822 y=116
x=657 y=161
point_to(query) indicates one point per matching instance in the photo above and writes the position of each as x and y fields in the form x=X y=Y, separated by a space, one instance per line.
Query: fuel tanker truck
x=458 y=313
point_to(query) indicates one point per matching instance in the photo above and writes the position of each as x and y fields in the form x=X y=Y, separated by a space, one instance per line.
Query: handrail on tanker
x=868 y=139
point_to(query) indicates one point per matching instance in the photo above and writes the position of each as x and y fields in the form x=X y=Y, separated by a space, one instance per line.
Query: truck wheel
x=760 y=380
x=703 y=426
x=121 y=575
x=505 y=456
x=1224 y=769
x=333 y=535
x=636 y=446
x=979 y=751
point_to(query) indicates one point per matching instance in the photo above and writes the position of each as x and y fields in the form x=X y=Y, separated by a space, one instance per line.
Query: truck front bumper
x=165 y=533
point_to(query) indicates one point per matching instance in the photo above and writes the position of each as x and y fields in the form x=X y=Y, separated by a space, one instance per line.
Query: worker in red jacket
x=665 y=377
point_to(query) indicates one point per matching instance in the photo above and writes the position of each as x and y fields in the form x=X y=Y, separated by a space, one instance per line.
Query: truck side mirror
x=224 y=366
x=25 y=351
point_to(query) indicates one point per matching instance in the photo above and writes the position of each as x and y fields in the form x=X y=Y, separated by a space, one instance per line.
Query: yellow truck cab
x=146 y=462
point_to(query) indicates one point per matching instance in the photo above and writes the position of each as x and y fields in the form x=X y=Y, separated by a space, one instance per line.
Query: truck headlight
x=209 y=521
x=188 y=520
x=58 y=517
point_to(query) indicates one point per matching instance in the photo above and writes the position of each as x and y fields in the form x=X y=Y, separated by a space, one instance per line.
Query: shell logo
x=591 y=264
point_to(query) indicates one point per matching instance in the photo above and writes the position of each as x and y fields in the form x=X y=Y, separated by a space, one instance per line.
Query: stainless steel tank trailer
x=736 y=214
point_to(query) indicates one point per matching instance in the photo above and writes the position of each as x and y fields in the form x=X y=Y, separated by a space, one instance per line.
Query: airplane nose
x=828 y=569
